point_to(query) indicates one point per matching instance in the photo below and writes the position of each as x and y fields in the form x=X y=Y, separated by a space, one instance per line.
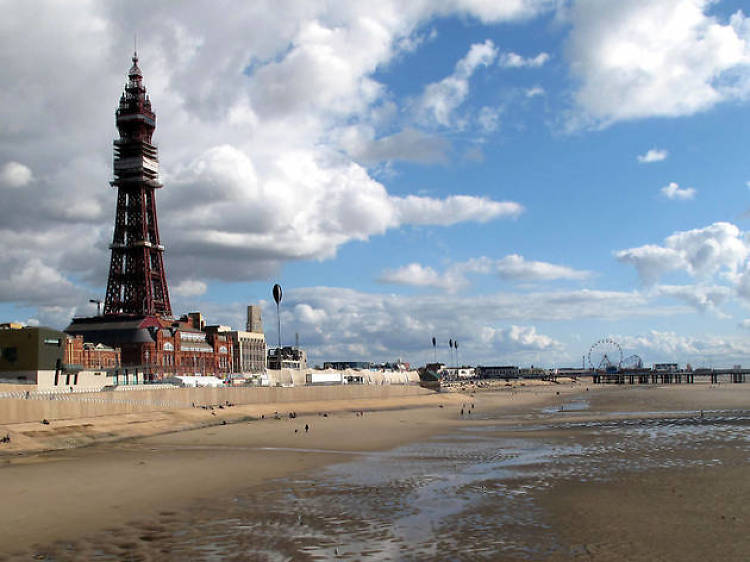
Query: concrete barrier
x=79 y=405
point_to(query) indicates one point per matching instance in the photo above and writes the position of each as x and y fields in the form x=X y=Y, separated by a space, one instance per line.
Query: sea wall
x=82 y=405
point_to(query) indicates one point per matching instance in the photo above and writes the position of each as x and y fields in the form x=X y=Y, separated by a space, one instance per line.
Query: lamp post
x=98 y=304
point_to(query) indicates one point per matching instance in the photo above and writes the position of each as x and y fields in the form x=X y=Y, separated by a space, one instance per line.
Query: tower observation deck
x=137 y=284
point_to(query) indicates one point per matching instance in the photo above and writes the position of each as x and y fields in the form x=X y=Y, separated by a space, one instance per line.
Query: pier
x=648 y=376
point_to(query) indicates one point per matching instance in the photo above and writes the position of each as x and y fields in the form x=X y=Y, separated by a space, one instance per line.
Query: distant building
x=254 y=320
x=396 y=365
x=287 y=358
x=455 y=373
x=248 y=347
x=50 y=358
x=344 y=365
x=533 y=372
x=31 y=354
x=572 y=372
x=249 y=351
x=498 y=372
x=666 y=367
x=90 y=355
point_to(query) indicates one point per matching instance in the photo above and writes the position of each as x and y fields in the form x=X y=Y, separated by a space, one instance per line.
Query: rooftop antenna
x=135 y=43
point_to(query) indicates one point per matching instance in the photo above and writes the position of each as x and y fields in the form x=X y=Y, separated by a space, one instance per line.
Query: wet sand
x=260 y=490
x=690 y=497
x=666 y=514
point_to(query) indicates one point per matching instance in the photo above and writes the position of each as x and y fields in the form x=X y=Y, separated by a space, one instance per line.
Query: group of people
x=5 y=439
x=468 y=410
x=226 y=404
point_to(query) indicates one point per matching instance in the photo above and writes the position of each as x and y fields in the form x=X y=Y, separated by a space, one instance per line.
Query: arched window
x=168 y=346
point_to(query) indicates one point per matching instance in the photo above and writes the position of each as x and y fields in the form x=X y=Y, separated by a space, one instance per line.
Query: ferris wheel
x=605 y=354
x=632 y=362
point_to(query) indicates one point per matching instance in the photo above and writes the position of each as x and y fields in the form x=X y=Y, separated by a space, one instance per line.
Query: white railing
x=129 y=387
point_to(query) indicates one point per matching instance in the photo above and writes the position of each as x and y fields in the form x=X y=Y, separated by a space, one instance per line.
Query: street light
x=98 y=304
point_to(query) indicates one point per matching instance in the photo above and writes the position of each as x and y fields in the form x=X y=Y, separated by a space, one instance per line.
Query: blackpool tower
x=137 y=285
x=137 y=317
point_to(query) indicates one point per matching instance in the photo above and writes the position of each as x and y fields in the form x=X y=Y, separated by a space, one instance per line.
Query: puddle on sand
x=572 y=406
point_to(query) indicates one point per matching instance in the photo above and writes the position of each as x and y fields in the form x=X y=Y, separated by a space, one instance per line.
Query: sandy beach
x=137 y=495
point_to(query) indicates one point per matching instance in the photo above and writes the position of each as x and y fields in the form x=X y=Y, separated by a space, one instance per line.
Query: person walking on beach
x=307 y=428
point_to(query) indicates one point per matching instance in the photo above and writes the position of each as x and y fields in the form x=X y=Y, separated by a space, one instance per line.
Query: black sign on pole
x=277 y=297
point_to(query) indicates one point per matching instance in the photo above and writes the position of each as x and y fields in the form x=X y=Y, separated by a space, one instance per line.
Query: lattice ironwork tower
x=137 y=284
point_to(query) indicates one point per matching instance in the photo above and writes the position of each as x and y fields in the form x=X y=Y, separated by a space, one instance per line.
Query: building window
x=10 y=354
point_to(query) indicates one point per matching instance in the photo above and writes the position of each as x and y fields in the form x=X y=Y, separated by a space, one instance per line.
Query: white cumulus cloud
x=703 y=298
x=419 y=275
x=451 y=210
x=512 y=267
x=535 y=91
x=644 y=58
x=702 y=252
x=517 y=268
x=518 y=338
x=674 y=191
x=653 y=155
x=440 y=99
x=514 y=60
x=655 y=346
x=189 y=288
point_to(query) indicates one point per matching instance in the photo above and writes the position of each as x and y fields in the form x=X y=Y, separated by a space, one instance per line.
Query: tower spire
x=137 y=284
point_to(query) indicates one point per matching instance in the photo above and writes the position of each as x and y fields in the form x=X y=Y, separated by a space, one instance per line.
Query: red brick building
x=160 y=347
x=90 y=355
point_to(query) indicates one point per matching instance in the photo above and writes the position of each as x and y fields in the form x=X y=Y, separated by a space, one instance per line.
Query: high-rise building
x=249 y=347
x=254 y=320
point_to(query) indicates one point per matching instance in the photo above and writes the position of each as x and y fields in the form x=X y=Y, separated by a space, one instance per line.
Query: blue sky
x=524 y=177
